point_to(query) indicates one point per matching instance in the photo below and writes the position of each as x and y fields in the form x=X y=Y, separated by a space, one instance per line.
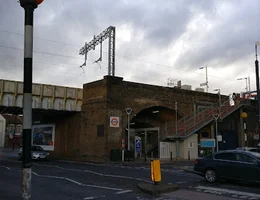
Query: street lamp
x=29 y=6
x=248 y=89
x=216 y=117
x=219 y=101
x=206 y=83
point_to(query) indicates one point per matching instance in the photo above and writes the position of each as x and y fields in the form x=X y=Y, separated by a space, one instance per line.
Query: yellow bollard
x=156 y=171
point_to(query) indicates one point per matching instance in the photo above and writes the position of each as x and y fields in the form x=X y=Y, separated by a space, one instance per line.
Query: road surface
x=74 y=180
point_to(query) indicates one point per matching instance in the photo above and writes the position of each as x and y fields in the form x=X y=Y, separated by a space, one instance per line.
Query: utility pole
x=29 y=6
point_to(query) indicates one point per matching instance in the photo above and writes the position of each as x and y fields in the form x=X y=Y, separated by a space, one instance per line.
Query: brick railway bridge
x=162 y=118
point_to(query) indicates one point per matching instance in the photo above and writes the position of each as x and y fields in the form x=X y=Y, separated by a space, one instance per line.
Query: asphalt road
x=77 y=181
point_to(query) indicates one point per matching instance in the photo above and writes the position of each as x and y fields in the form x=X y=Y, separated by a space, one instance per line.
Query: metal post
x=249 y=87
x=111 y=52
x=128 y=112
x=145 y=145
x=128 y=136
x=159 y=149
x=257 y=90
x=29 y=6
x=246 y=85
x=217 y=134
x=207 y=83
x=176 y=118
x=219 y=101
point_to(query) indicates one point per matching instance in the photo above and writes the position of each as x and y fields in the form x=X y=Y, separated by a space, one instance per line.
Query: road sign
x=114 y=121
x=128 y=110
x=208 y=143
x=137 y=146
x=215 y=116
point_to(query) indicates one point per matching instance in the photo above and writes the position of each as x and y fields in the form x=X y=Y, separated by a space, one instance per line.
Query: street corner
x=154 y=190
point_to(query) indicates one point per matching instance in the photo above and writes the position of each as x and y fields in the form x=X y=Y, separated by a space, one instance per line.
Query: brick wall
x=109 y=97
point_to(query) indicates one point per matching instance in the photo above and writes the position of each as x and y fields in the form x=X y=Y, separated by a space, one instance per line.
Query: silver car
x=38 y=153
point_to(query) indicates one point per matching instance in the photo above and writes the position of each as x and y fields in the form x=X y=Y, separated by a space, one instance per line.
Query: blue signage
x=208 y=143
x=138 y=145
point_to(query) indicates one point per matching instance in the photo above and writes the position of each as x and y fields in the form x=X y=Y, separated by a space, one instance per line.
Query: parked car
x=252 y=149
x=38 y=153
x=228 y=165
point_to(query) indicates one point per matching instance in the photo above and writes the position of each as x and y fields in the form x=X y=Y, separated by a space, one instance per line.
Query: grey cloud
x=162 y=23
x=233 y=39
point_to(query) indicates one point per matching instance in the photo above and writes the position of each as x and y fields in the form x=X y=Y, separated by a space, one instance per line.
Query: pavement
x=63 y=180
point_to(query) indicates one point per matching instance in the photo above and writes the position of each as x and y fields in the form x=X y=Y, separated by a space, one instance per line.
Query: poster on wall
x=11 y=131
x=44 y=135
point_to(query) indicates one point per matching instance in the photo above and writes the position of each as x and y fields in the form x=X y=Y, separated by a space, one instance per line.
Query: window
x=205 y=134
x=246 y=158
x=226 y=156
x=255 y=150
x=100 y=130
x=191 y=144
x=37 y=148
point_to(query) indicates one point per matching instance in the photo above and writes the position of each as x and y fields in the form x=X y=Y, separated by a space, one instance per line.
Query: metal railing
x=194 y=122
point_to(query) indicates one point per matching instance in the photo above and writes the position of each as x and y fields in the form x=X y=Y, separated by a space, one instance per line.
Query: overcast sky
x=155 y=40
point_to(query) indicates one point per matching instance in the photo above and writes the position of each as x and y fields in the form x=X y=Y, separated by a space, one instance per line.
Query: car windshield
x=257 y=155
x=37 y=148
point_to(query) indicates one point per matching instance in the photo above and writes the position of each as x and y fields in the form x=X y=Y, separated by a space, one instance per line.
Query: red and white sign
x=114 y=121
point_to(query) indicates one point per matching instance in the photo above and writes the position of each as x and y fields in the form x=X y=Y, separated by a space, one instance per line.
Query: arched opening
x=147 y=129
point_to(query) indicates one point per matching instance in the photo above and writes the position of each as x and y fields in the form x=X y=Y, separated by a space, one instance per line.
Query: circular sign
x=114 y=121
x=244 y=115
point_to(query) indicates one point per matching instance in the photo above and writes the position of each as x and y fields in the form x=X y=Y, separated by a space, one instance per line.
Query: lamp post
x=207 y=82
x=29 y=6
x=219 y=102
x=257 y=87
x=176 y=129
x=247 y=83
x=216 y=117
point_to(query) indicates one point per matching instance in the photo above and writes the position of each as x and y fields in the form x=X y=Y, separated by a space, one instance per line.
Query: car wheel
x=210 y=175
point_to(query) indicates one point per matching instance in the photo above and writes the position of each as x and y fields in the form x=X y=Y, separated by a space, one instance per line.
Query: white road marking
x=87 y=163
x=243 y=197
x=124 y=191
x=96 y=173
x=253 y=198
x=228 y=191
x=78 y=183
x=102 y=187
x=117 y=176
x=89 y=198
x=5 y=167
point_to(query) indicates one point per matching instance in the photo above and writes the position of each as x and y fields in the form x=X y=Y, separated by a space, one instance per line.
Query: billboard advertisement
x=44 y=135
